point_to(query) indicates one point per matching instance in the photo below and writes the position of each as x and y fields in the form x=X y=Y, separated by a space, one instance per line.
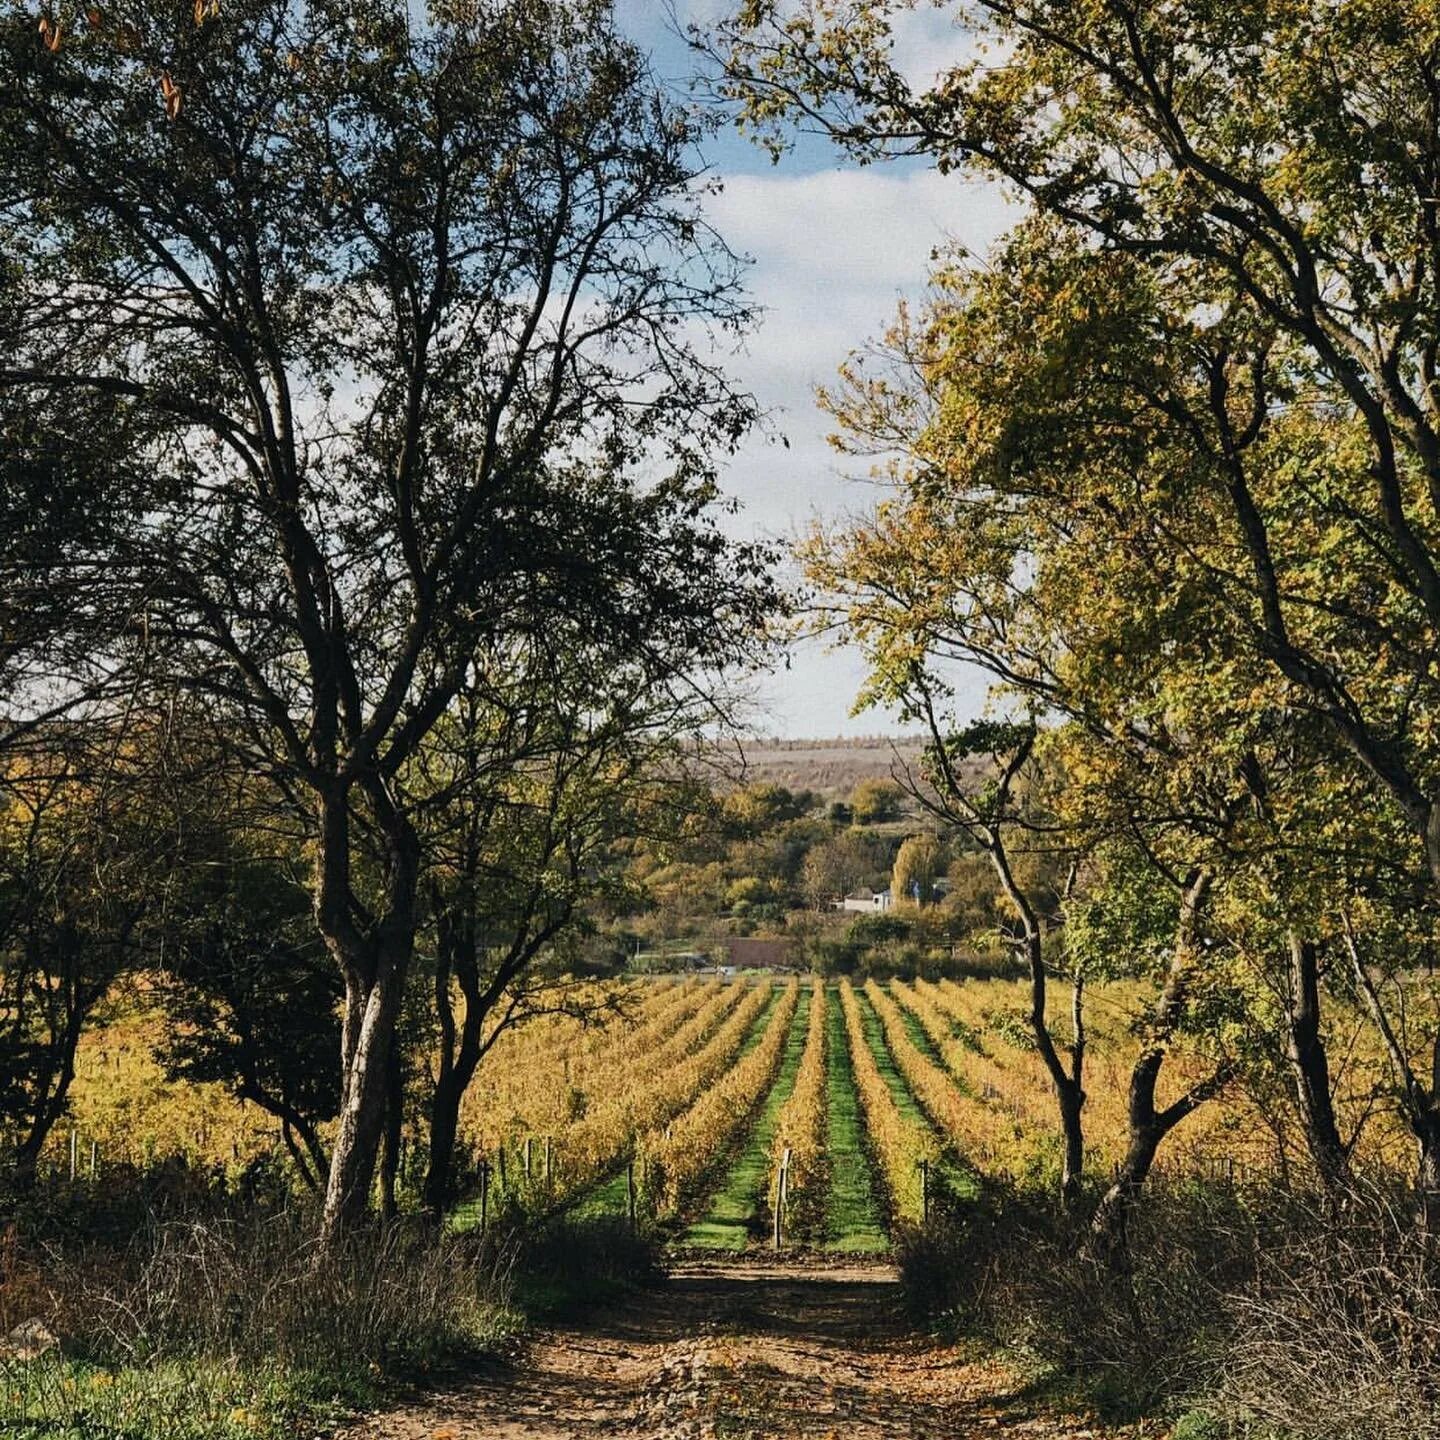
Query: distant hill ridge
x=831 y=766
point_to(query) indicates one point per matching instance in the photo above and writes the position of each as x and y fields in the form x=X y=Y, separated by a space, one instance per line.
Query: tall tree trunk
x=1071 y=1100
x=438 y=1191
x=364 y=1091
x=375 y=964
x=1310 y=1066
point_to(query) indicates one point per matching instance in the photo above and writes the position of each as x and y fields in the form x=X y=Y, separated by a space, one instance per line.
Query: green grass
x=957 y=1179
x=853 y=1221
x=61 y=1399
x=922 y=1042
x=927 y=1047
x=734 y=1215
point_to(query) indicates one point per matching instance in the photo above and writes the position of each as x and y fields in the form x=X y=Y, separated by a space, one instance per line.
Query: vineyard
x=678 y=1107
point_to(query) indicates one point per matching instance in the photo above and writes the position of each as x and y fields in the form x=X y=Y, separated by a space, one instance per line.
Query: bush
x=1340 y=1335
x=572 y=1261
x=216 y=1306
x=1260 y=1312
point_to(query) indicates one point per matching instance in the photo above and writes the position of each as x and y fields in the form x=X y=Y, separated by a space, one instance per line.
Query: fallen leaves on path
x=736 y=1352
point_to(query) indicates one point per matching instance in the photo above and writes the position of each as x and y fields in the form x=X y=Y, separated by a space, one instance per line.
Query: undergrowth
x=1238 y=1311
x=167 y=1310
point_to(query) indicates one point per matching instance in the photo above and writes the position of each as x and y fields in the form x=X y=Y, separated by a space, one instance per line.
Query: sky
x=834 y=248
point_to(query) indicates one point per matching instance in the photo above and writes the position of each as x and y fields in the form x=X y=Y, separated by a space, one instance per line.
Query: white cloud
x=834 y=251
x=929 y=42
x=852 y=228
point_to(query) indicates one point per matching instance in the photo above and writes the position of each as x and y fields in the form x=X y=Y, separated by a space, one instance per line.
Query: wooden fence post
x=782 y=1184
x=527 y=1156
x=74 y=1154
x=484 y=1193
x=94 y=1158
x=630 y=1190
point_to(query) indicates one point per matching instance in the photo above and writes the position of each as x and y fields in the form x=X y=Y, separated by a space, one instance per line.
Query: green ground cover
x=955 y=1176
x=853 y=1218
x=736 y=1213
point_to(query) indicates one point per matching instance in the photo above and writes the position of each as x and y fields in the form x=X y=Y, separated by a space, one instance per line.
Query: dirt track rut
x=731 y=1352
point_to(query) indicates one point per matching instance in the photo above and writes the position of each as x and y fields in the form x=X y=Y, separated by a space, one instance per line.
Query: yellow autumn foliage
x=800 y=1128
x=681 y=1156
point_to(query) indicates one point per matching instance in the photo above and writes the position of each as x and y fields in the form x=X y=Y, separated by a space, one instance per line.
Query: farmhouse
x=866 y=902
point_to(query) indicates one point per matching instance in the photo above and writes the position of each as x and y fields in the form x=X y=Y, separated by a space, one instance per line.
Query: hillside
x=830 y=767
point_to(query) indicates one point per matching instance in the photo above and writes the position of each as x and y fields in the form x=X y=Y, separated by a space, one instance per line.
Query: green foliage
x=874 y=802
x=918 y=863
x=1124 y=923
x=760 y=807
x=252 y=1000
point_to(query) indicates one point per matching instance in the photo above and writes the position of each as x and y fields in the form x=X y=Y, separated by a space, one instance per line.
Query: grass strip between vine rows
x=738 y=1210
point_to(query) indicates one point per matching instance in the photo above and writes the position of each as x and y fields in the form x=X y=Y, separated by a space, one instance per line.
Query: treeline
x=763 y=859
x=362 y=579
x=1165 y=464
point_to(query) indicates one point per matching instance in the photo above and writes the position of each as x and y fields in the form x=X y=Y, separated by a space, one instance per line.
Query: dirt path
x=727 y=1351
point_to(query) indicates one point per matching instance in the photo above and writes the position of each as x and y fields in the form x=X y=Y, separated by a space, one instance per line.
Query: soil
x=726 y=1350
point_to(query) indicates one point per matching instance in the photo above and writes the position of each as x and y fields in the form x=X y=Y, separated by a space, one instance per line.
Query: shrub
x=1257 y=1311
x=214 y=1305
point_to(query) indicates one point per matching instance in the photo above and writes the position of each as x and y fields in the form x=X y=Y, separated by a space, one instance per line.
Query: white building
x=866 y=902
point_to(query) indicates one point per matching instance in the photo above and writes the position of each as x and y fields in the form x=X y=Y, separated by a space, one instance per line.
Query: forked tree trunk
x=50 y=1104
x=364 y=1093
x=459 y=951
x=1068 y=1083
x=1147 y=1126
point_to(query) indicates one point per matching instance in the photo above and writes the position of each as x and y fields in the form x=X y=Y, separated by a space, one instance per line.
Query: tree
x=917 y=863
x=994 y=551
x=1008 y=807
x=1270 y=172
x=1051 y=429
x=82 y=853
x=872 y=802
x=529 y=804
x=406 y=314
x=252 y=1001
x=839 y=865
